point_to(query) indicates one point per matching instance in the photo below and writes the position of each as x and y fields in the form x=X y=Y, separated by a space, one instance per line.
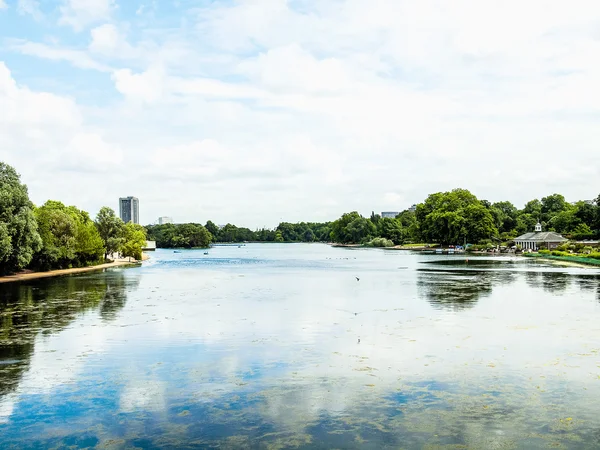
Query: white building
x=164 y=220
x=540 y=239
x=389 y=214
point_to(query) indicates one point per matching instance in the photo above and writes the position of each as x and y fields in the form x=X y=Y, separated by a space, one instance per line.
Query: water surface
x=280 y=346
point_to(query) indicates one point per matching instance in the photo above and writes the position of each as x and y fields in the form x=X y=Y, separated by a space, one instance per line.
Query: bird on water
x=357 y=279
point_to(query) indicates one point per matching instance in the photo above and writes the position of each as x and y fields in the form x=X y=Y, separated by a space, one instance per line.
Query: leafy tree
x=534 y=208
x=506 y=215
x=186 y=235
x=564 y=221
x=375 y=217
x=19 y=237
x=134 y=240
x=339 y=227
x=110 y=228
x=58 y=230
x=309 y=235
x=526 y=223
x=278 y=236
x=212 y=228
x=451 y=217
x=478 y=223
x=553 y=204
x=410 y=225
x=586 y=213
x=360 y=230
x=390 y=229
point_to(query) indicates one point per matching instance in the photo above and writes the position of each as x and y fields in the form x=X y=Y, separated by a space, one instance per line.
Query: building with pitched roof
x=540 y=239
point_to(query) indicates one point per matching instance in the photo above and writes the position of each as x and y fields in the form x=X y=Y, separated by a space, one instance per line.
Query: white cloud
x=342 y=103
x=146 y=86
x=89 y=151
x=30 y=7
x=3 y=5
x=105 y=39
x=77 y=58
x=81 y=13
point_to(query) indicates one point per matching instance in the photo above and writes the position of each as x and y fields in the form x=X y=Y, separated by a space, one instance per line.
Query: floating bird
x=351 y=312
x=357 y=279
x=358 y=341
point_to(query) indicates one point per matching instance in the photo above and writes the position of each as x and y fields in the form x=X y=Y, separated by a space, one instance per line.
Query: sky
x=258 y=111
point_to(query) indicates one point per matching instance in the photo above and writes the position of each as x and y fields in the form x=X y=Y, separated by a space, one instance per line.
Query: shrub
x=594 y=255
x=380 y=242
x=559 y=253
x=544 y=252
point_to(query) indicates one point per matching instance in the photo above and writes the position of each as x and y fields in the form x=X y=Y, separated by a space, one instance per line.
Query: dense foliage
x=19 y=237
x=458 y=217
x=187 y=235
x=55 y=236
x=191 y=235
x=69 y=238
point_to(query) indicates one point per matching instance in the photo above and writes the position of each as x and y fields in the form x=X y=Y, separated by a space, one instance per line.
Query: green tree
x=58 y=230
x=110 y=228
x=553 y=204
x=534 y=208
x=212 y=228
x=339 y=227
x=278 y=236
x=451 y=217
x=506 y=215
x=360 y=230
x=134 y=240
x=390 y=229
x=309 y=236
x=478 y=223
x=19 y=237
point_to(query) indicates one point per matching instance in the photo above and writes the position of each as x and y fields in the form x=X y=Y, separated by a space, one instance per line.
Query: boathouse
x=540 y=239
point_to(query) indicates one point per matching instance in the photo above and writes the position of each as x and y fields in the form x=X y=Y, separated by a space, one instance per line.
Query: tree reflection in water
x=47 y=306
x=455 y=290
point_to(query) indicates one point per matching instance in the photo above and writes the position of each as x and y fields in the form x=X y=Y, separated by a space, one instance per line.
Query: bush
x=594 y=255
x=380 y=242
x=559 y=253
x=544 y=252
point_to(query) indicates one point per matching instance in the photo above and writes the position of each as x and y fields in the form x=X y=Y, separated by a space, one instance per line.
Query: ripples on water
x=259 y=347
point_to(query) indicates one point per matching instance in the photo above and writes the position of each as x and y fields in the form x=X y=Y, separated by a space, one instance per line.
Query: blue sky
x=255 y=111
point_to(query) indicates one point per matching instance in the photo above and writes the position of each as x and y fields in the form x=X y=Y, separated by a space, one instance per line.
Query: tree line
x=194 y=235
x=454 y=217
x=55 y=236
x=458 y=217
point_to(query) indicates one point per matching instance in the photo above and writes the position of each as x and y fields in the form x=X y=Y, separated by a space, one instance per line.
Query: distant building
x=150 y=246
x=129 y=209
x=540 y=239
x=389 y=214
x=164 y=220
x=413 y=208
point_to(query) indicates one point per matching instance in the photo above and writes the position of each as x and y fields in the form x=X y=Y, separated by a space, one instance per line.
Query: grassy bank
x=573 y=259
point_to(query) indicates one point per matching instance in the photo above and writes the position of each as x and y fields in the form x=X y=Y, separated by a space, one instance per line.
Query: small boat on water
x=206 y=253
x=176 y=251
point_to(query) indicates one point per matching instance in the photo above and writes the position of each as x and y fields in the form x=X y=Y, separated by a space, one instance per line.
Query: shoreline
x=27 y=276
x=571 y=260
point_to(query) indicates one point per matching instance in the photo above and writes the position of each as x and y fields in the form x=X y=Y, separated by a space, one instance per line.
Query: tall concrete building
x=164 y=220
x=129 y=209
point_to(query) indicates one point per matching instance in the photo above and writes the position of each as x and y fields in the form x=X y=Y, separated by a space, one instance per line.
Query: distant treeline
x=55 y=236
x=193 y=235
x=453 y=217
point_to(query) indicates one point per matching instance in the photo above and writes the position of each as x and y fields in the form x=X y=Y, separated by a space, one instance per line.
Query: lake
x=281 y=346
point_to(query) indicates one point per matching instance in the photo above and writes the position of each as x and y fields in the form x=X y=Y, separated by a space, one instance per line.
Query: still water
x=280 y=346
